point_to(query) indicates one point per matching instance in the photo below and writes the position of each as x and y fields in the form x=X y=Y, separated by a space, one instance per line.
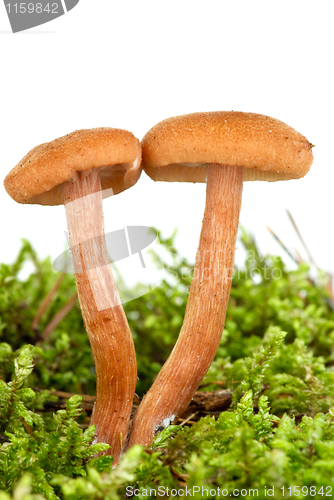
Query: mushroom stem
x=104 y=318
x=205 y=314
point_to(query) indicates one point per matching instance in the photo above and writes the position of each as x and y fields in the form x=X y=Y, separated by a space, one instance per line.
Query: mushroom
x=222 y=149
x=76 y=170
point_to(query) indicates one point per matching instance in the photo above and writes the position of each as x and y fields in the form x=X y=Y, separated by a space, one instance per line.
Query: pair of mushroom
x=220 y=148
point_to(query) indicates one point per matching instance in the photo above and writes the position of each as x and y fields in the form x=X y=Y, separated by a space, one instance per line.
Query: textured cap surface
x=178 y=149
x=39 y=176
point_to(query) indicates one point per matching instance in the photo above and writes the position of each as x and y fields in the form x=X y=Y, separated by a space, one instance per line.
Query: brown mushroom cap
x=39 y=176
x=179 y=148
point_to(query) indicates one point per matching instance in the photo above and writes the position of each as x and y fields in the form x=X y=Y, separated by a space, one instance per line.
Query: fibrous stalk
x=104 y=318
x=205 y=314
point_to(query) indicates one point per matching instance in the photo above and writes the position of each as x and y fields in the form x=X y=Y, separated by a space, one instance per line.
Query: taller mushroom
x=222 y=149
x=76 y=170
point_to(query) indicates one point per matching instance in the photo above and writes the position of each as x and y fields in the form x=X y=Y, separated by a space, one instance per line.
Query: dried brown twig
x=46 y=301
x=203 y=403
x=297 y=258
x=310 y=258
x=59 y=316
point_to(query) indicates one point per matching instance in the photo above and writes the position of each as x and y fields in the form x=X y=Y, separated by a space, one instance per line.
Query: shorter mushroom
x=222 y=149
x=76 y=170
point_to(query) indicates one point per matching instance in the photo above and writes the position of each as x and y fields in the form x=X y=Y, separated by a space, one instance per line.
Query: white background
x=130 y=64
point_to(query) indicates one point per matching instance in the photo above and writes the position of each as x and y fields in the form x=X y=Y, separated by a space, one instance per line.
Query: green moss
x=276 y=356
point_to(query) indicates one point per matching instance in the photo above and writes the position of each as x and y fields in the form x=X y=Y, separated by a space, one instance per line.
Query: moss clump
x=276 y=357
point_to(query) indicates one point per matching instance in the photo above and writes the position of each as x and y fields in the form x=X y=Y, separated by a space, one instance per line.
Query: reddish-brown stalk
x=205 y=314
x=104 y=318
